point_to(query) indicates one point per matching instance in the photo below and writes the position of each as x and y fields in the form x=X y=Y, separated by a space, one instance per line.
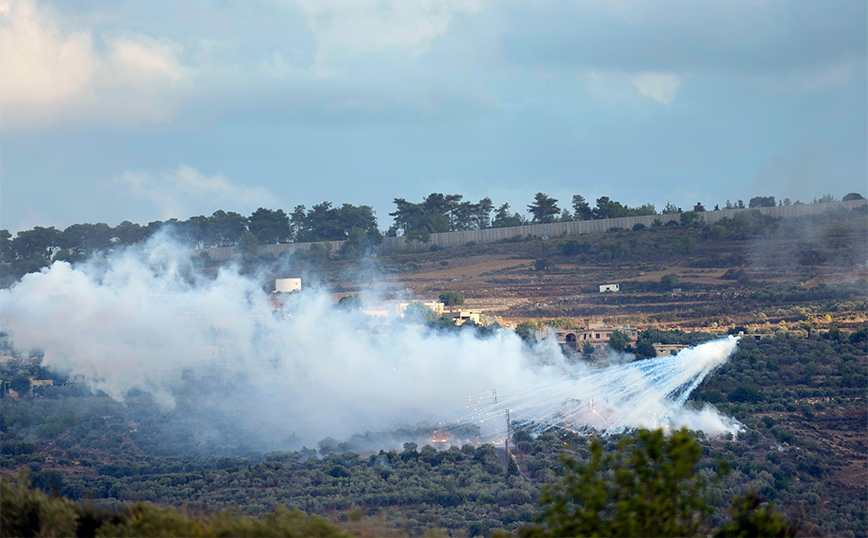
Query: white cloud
x=180 y=192
x=612 y=87
x=347 y=29
x=38 y=62
x=53 y=75
x=659 y=86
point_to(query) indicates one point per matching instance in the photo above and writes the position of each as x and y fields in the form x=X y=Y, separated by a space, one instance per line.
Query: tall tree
x=609 y=209
x=269 y=227
x=581 y=208
x=649 y=487
x=128 y=233
x=504 y=219
x=227 y=227
x=5 y=246
x=296 y=219
x=761 y=201
x=482 y=213
x=544 y=208
x=322 y=223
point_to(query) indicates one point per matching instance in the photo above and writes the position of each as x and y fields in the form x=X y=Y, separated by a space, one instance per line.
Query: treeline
x=30 y=250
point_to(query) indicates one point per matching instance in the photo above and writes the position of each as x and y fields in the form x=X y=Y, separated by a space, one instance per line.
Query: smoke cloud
x=145 y=319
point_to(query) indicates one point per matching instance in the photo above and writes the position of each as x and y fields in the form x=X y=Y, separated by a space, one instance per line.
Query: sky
x=143 y=111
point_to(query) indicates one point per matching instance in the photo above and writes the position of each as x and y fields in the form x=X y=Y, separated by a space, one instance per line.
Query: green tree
x=30 y=512
x=504 y=219
x=690 y=218
x=450 y=298
x=269 y=226
x=128 y=233
x=751 y=518
x=667 y=282
x=619 y=340
x=852 y=196
x=5 y=246
x=20 y=383
x=526 y=330
x=419 y=312
x=609 y=209
x=761 y=201
x=248 y=244
x=648 y=487
x=544 y=208
x=645 y=348
x=581 y=208
x=542 y=264
x=226 y=228
x=670 y=209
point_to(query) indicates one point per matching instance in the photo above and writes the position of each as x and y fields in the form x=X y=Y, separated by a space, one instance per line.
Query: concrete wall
x=391 y=245
x=453 y=239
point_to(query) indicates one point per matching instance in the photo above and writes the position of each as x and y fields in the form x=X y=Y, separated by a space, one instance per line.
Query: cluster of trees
x=28 y=511
x=649 y=486
x=439 y=213
x=33 y=249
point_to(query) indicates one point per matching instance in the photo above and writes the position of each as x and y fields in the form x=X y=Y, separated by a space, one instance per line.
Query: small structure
x=287 y=285
x=596 y=334
x=664 y=350
x=756 y=337
x=610 y=288
x=462 y=316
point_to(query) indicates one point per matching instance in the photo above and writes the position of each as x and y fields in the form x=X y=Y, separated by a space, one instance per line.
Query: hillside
x=754 y=269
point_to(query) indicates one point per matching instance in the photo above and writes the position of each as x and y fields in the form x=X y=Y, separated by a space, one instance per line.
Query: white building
x=287 y=285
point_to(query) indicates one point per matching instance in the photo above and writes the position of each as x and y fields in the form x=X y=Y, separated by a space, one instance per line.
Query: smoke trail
x=145 y=318
x=649 y=394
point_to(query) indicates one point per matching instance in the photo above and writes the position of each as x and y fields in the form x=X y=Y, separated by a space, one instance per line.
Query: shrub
x=450 y=298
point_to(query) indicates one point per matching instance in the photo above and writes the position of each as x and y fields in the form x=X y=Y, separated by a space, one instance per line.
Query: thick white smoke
x=144 y=318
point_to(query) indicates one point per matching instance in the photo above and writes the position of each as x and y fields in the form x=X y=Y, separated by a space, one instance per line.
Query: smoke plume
x=146 y=320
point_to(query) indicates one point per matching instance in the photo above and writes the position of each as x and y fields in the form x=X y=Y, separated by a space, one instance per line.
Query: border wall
x=391 y=245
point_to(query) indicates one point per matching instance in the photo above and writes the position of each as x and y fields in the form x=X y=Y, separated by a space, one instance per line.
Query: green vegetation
x=450 y=298
x=30 y=512
x=30 y=250
x=649 y=486
x=801 y=399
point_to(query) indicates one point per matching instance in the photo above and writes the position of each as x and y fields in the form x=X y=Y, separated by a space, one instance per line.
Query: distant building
x=664 y=350
x=462 y=316
x=596 y=334
x=756 y=337
x=607 y=288
x=287 y=285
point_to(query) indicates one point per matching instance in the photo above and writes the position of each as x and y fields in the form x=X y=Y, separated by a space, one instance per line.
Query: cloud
x=658 y=86
x=348 y=29
x=614 y=87
x=179 y=193
x=54 y=75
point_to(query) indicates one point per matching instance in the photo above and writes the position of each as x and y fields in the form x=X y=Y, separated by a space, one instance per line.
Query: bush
x=667 y=282
x=450 y=298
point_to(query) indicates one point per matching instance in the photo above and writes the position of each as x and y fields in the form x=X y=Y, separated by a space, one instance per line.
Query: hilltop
x=754 y=269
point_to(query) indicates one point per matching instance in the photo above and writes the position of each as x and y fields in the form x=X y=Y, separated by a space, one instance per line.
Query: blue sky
x=144 y=111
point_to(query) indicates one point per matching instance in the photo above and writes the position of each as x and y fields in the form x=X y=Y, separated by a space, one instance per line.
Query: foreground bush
x=26 y=512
